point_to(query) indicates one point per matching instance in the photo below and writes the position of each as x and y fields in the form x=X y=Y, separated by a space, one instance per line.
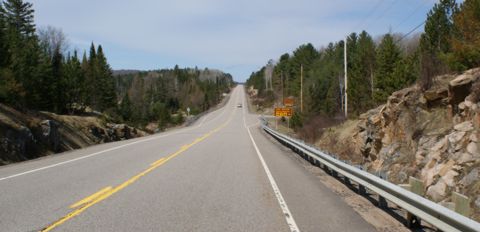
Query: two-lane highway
x=220 y=174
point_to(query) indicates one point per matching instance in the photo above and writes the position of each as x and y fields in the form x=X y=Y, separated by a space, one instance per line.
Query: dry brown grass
x=314 y=128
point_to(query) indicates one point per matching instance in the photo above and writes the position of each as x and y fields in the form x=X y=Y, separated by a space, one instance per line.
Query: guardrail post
x=412 y=220
x=462 y=204
x=334 y=173
x=417 y=186
x=382 y=203
x=382 y=174
x=326 y=169
x=362 y=190
x=346 y=179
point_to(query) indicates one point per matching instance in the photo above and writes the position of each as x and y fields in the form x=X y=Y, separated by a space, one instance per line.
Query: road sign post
x=282 y=112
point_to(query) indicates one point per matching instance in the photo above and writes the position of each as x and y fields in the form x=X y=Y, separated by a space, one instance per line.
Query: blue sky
x=236 y=36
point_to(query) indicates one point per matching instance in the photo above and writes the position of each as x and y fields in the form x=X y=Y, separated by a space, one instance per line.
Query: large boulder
x=17 y=144
x=49 y=134
x=435 y=97
x=459 y=88
x=438 y=191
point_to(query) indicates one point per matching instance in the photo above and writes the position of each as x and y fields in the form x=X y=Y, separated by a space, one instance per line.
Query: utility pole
x=301 y=88
x=283 y=87
x=346 y=79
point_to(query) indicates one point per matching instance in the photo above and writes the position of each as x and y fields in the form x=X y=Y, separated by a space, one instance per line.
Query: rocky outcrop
x=114 y=132
x=432 y=135
x=28 y=135
x=16 y=144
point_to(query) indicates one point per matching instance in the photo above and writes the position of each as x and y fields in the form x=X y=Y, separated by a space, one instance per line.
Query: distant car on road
x=239 y=105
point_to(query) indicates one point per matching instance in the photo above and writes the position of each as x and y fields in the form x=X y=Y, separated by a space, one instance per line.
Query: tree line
x=163 y=96
x=376 y=67
x=37 y=71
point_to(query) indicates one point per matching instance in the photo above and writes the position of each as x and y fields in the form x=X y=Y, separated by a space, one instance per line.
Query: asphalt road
x=220 y=174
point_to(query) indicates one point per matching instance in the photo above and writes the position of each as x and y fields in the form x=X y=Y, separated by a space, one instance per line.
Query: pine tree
x=92 y=78
x=19 y=17
x=25 y=60
x=3 y=55
x=86 y=87
x=466 y=38
x=74 y=84
x=302 y=56
x=388 y=55
x=125 y=109
x=361 y=74
x=439 y=27
x=435 y=42
x=106 y=84
x=3 y=39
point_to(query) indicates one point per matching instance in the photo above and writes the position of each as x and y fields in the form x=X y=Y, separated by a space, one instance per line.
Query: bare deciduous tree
x=53 y=39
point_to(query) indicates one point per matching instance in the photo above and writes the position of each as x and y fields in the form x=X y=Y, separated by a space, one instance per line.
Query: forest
x=377 y=66
x=164 y=95
x=39 y=72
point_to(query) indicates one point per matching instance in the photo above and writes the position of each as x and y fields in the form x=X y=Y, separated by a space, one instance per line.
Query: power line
x=379 y=3
x=410 y=32
x=386 y=11
x=411 y=14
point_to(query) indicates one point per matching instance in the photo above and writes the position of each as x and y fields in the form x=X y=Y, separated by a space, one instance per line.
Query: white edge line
x=107 y=150
x=281 y=201
x=83 y=157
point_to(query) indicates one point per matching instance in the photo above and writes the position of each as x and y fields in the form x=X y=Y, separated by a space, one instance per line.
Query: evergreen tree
x=466 y=38
x=302 y=56
x=91 y=76
x=282 y=73
x=87 y=87
x=3 y=39
x=74 y=84
x=125 y=109
x=439 y=27
x=105 y=82
x=435 y=42
x=23 y=50
x=388 y=55
x=19 y=17
x=361 y=74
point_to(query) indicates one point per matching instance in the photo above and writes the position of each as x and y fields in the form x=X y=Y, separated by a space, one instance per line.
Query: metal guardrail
x=433 y=213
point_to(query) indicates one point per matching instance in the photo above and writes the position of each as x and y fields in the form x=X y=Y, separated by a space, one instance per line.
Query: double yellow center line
x=106 y=192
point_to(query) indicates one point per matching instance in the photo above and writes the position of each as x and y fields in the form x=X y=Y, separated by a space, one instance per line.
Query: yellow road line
x=91 y=197
x=158 y=161
x=100 y=197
